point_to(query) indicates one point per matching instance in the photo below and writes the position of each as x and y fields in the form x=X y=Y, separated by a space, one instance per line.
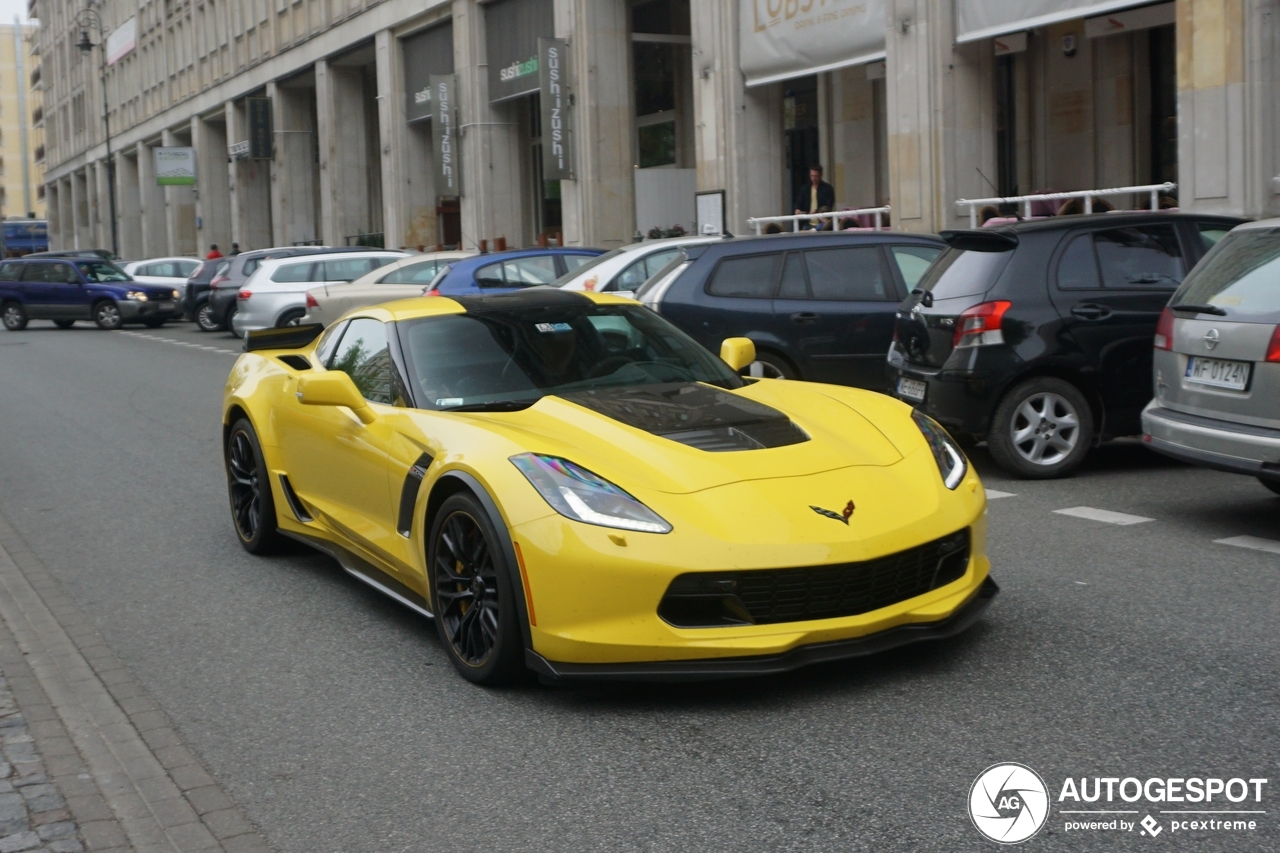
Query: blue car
x=503 y=272
x=65 y=290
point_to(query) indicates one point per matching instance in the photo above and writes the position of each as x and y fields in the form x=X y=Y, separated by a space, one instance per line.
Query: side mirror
x=737 y=352
x=334 y=388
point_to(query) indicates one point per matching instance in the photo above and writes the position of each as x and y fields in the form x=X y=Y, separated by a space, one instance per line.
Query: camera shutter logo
x=1008 y=803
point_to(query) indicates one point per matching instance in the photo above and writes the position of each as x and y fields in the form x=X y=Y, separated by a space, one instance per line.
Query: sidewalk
x=89 y=761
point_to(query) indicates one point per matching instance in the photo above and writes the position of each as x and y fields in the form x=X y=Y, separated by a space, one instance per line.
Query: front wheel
x=253 y=508
x=473 y=595
x=1273 y=485
x=1042 y=429
x=14 y=316
x=770 y=366
x=107 y=316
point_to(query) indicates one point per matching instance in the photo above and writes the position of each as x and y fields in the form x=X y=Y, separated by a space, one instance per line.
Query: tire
x=64 y=324
x=1042 y=429
x=205 y=321
x=14 y=316
x=253 y=508
x=153 y=324
x=487 y=648
x=1273 y=485
x=771 y=366
x=107 y=315
x=292 y=317
x=225 y=324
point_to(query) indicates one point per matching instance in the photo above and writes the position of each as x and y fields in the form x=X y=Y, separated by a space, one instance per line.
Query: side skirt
x=366 y=573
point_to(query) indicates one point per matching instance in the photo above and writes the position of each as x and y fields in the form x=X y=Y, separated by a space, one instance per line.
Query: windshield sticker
x=448 y=401
x=553 y=327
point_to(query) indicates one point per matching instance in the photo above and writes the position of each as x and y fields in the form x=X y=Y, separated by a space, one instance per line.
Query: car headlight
x=136 y=296
x=576 y=493
x=952 y=463
x=177 y=295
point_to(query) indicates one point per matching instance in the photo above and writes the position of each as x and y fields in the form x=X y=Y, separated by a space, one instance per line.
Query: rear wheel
x=253 y=508
x=14 y=316
x=1273 y=485
x=1042 y=429
x=64 y=324
x=205 y=321
x=292 y=317
x=225 y=324
x=107 y=316
x=473 y=594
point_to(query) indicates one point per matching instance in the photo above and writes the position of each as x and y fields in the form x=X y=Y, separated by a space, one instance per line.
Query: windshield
x=102 y=271
x=651 y=283
x=1240 y=275
x=511 y=358
x=586 y=267
x=961 y=272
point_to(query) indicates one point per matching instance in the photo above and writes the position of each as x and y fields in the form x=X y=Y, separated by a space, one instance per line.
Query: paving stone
x=61 y=829
x=209 y=799
x=40 y=819
x=101 y=834
x=9 y=827
x=227 y=823
x=21 y=841
x=66 y=845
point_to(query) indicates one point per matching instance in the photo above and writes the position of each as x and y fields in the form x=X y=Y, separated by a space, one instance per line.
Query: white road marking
x=171 y=341
x=996 y=494
x=1255 y=543
x=1105 y=515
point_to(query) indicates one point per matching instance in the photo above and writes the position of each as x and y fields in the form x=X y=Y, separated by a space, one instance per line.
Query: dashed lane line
x=996 y=494
x=1255 y=543
x=172 y=342
x=1104 y=515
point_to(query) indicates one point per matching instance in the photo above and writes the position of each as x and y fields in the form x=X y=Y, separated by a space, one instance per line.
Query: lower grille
x=770 y=596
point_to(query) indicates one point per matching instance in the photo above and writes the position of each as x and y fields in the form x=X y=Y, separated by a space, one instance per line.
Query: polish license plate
x=1218 y=373
x=912 y=389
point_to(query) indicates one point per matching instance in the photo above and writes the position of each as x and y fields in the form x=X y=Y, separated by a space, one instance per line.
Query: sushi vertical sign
x=557 y=153
x=444 y=134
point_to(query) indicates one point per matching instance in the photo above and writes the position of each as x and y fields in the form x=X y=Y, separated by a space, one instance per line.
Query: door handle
x=1090 y=311
x=805 y=317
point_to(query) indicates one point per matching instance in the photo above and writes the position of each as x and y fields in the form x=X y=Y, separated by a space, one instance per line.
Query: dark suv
x=1037 y=336
x=65 y=290
x=818 y=306
x=196 y=292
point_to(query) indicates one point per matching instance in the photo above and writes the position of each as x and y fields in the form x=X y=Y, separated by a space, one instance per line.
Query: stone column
x=180 y=211
x=213 y=185
x=128 y=205
x=53 y=212
x=293 y=173
x=391 y=137
x=344 y=154
x=155 y=237
x=248 y=187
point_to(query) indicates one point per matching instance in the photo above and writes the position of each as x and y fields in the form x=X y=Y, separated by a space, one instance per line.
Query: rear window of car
x=963 y=272
x=10 y=272
x=292 y=272
x=1240 y=275
x=851 y=274
x=749 y=277
x=412 y=274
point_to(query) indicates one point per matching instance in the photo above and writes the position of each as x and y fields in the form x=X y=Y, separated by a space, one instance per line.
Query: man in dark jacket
x=814 y=196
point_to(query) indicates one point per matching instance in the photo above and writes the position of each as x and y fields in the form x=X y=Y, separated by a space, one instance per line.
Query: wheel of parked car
x=225 y=325
x=15 y=317
x=253 y=508
x=64 y=324
x=292 y=317
x=205 y=320
x=474 y=597
x=770 y=366
x=107 y=316
x=1273 y=485
x=153 y=323
x=1042 y=429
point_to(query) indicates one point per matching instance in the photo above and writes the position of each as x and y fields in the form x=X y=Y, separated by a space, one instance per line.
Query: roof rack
x=1088 y=195
x=757 y=222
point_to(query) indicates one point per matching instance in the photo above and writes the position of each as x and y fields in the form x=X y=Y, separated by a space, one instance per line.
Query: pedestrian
x=213 y=252
x=235 y=250
x=814 y=196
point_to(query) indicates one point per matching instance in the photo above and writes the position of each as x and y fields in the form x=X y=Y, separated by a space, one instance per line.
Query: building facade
x=412 y=123
x=21 y=193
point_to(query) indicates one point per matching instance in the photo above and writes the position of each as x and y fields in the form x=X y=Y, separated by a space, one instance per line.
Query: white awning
x=980 y=19
x=779 y=42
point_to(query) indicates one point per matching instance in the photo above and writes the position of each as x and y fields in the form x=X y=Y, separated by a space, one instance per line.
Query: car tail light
x=218 y=280
x=1164 y=330
x=430 y=293
x=979 y=326
x=244 y=294
x=1273 y=348
x=311 y=301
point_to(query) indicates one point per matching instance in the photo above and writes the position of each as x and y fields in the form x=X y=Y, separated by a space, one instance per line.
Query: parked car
x=220 y=303
x=502 y=272
x=276 y=294
x=624 y=269
x=87 y=254
x=1217 y=360
x=195 y=292
x=404 y=278
x=817 y=305
x=65 y=290
x=1037 y=336
x=170 y=272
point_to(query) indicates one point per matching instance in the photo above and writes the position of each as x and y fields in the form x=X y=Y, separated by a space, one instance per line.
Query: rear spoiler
x=285 y=337
x=994 y=240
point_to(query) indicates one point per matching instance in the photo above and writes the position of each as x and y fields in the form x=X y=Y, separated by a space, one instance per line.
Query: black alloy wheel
x=107 y=316
x=14 y=316
x=253 y=509
x=473 y=594
x=205 y=321
x=64 y=324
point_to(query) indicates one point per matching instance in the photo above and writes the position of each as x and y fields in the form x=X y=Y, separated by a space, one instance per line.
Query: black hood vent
x=697 y=415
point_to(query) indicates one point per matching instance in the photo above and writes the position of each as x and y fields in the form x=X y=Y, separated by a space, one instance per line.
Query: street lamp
x=88 y=19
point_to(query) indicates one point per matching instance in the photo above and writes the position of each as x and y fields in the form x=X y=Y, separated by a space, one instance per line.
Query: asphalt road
x=334 y=718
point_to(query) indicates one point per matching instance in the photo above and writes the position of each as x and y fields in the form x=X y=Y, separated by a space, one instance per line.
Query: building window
x=662 y=76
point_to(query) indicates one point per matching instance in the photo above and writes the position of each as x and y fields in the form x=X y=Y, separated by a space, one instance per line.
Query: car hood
x=680 y=438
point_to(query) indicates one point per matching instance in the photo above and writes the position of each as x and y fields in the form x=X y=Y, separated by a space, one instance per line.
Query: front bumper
x=134 y=310
x=1213 y=443
x=714 y=668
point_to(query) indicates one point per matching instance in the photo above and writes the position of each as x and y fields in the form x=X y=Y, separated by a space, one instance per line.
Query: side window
x=749 y=277
x=348 y=269
x=186 y=268
x=249 y=266
x=530 y=271
x=160 y=269
x=63 y=274
x=1146 y=256
x=630 y=278
x=412 y=274
x=10 y=272
x=145 y=269
x=37 y=273
x=853 y=274
x=912 y=261
x=365 y=356
x=572 y=262
x=329 y=342
x=293 y=272
x=794 y=285
x=490 y=275
x=1211 y=233
x=1077 y=268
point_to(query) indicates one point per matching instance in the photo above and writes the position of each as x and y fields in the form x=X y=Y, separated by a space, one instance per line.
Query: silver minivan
x=1217 y=360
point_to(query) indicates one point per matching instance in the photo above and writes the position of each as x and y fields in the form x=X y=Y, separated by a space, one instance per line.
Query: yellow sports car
x=568 y=484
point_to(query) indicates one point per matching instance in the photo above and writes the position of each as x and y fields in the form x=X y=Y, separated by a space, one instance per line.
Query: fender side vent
x=297 y=362
x=409 y=493
x=295 y=502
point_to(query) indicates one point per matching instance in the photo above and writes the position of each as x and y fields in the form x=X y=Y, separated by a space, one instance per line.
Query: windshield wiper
x=492 y=406
x=1198 y=309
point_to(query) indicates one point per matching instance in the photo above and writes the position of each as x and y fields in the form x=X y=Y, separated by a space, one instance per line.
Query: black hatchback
x=1037 y=336
x=818 y=305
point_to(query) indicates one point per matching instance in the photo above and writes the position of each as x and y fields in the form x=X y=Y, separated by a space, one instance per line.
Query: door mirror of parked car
x=334 y=388
x=737 y=352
